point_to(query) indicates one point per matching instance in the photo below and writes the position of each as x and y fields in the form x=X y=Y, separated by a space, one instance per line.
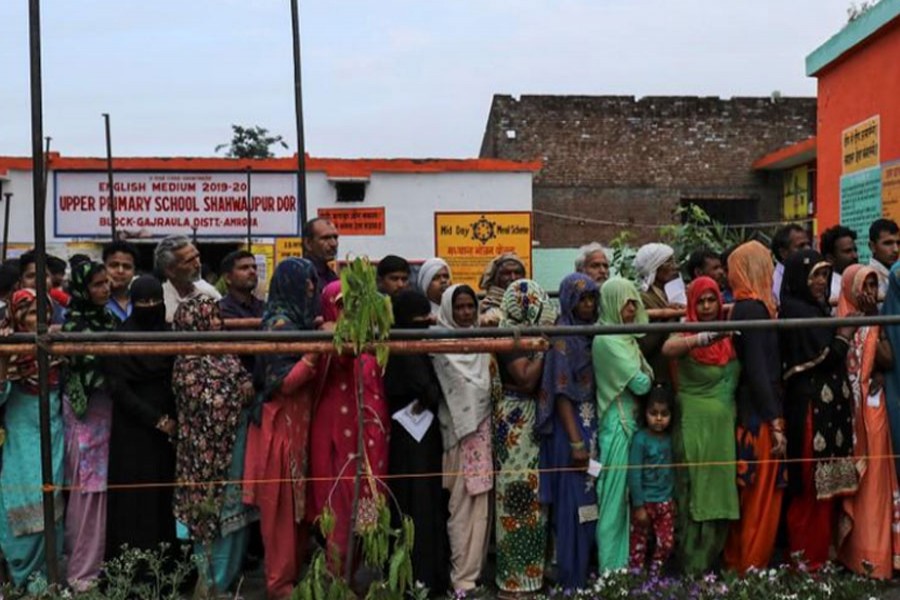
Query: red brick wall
x=614 y=158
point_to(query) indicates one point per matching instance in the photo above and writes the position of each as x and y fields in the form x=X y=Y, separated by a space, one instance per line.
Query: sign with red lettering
x=356 y=221
x=159 y=204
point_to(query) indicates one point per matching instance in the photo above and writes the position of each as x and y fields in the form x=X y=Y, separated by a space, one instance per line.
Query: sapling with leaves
x=364 y=325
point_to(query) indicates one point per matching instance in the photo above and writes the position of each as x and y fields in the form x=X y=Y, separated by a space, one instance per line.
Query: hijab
x=619 y=354
x=23 y=368
x=526 y=304
x=648 y=260
x=720 y=352
x=750 y=273
x=331 y=297
x=488 y=278
x=289 y=308
x=465 y=378
x=568 y=370
x=427 y=273
x=85 y=375
x=800 y=346
x=135 y=367
x=146 y=318
x=411 y=377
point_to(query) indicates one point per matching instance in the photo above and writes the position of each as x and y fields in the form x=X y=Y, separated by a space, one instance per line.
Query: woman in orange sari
x=760 y=432
x=869 y=529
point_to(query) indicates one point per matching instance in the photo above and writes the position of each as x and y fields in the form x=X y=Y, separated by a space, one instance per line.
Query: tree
x=251 y=142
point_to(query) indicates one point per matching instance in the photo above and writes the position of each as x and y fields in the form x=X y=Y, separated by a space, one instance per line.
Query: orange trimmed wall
x=863 y=82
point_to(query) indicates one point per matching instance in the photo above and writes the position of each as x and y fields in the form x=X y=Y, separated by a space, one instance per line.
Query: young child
x=650 y=484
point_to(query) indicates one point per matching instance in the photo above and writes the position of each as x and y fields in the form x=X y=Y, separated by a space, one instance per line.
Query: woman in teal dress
x=706 y=490
x=621 y=374
x=21 y=500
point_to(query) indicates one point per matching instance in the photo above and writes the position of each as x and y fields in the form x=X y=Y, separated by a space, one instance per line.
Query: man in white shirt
x=787 y=240
x=179 y=260
x=839 y=249
x=884 y=242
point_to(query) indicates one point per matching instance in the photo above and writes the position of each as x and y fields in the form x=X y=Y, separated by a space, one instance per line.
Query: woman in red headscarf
x=704 y=432
x=333 y=437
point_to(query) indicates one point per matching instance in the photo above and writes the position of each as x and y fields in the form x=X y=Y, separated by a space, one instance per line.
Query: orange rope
x=493 y=472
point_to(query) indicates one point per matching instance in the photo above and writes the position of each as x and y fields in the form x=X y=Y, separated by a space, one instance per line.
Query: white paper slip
x=588 y=513
x=594 y=468
x=676 y=292
x=874 y=400
x=415 y=424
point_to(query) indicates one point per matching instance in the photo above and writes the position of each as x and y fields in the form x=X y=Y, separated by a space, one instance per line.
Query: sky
x=394 y=78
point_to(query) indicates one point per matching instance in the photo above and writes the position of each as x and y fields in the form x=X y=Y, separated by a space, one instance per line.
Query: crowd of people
x=565 y=461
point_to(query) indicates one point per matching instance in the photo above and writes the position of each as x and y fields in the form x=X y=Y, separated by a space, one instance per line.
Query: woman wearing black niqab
x=818 y=409
x=143 y=421
x=410 y=378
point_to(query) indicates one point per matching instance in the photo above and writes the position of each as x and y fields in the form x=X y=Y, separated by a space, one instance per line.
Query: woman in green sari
x=621 y=374
x=708 y=373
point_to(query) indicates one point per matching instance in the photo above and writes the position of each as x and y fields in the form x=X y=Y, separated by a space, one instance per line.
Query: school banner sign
x=158 y=204
x=468 y=241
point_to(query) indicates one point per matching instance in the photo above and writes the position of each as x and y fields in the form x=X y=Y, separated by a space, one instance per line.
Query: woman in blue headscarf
x=892 y=378
x=567 y=422
x=277 y=458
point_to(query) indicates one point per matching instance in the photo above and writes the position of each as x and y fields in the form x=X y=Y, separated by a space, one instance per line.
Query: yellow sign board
x=890 y=190
x=288 y=247
x=265 y=263
x=796 y=193
x=469 y=241
x=859 y=145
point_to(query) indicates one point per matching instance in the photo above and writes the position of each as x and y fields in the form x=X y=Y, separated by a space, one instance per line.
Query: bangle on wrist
x=579 y=445
x=309 y=362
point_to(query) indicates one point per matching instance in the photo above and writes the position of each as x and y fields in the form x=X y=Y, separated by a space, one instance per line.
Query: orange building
x=849 y=172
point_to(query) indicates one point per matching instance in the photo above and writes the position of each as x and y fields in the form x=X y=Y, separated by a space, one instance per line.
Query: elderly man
x=593 y=261
x=320 y=246
x=499 y=273
x=178 y=260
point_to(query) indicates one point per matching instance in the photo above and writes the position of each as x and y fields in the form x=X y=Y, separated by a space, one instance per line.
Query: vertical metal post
x=46 y=173
x=298 y=113
x=249 y=213
x=109 y=178
x=8 y=197
x=40 y=251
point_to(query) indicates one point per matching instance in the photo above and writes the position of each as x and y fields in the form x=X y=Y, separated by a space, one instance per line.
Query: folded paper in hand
x=415 y=424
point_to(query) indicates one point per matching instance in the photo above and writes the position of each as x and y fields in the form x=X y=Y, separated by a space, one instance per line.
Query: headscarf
x=525 y=303
x=619 y=353
x=488 y=278
x=209 y=393
x=289 y=308
x=411 y=377
x=331 y=296
x=800 y=346
x=852 y=280
x=568 y=370
x=84 y=374
x=750 y=272
x=891 y=306
x=136 y=367
x=146 y=318
x=427 y=272
x=23 y=368
x=464 y=378
x=649 y=258
x=720 y=352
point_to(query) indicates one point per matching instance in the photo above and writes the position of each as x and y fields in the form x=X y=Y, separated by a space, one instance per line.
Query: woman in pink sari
x=869 y=530
x=333 y=441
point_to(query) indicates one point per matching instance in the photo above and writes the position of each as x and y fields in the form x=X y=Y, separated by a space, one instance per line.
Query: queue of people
x=566 y=460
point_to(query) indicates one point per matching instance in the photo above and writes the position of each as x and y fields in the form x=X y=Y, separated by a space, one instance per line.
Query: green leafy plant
x=251 y=142
x=699 y=230
x=365 y=323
